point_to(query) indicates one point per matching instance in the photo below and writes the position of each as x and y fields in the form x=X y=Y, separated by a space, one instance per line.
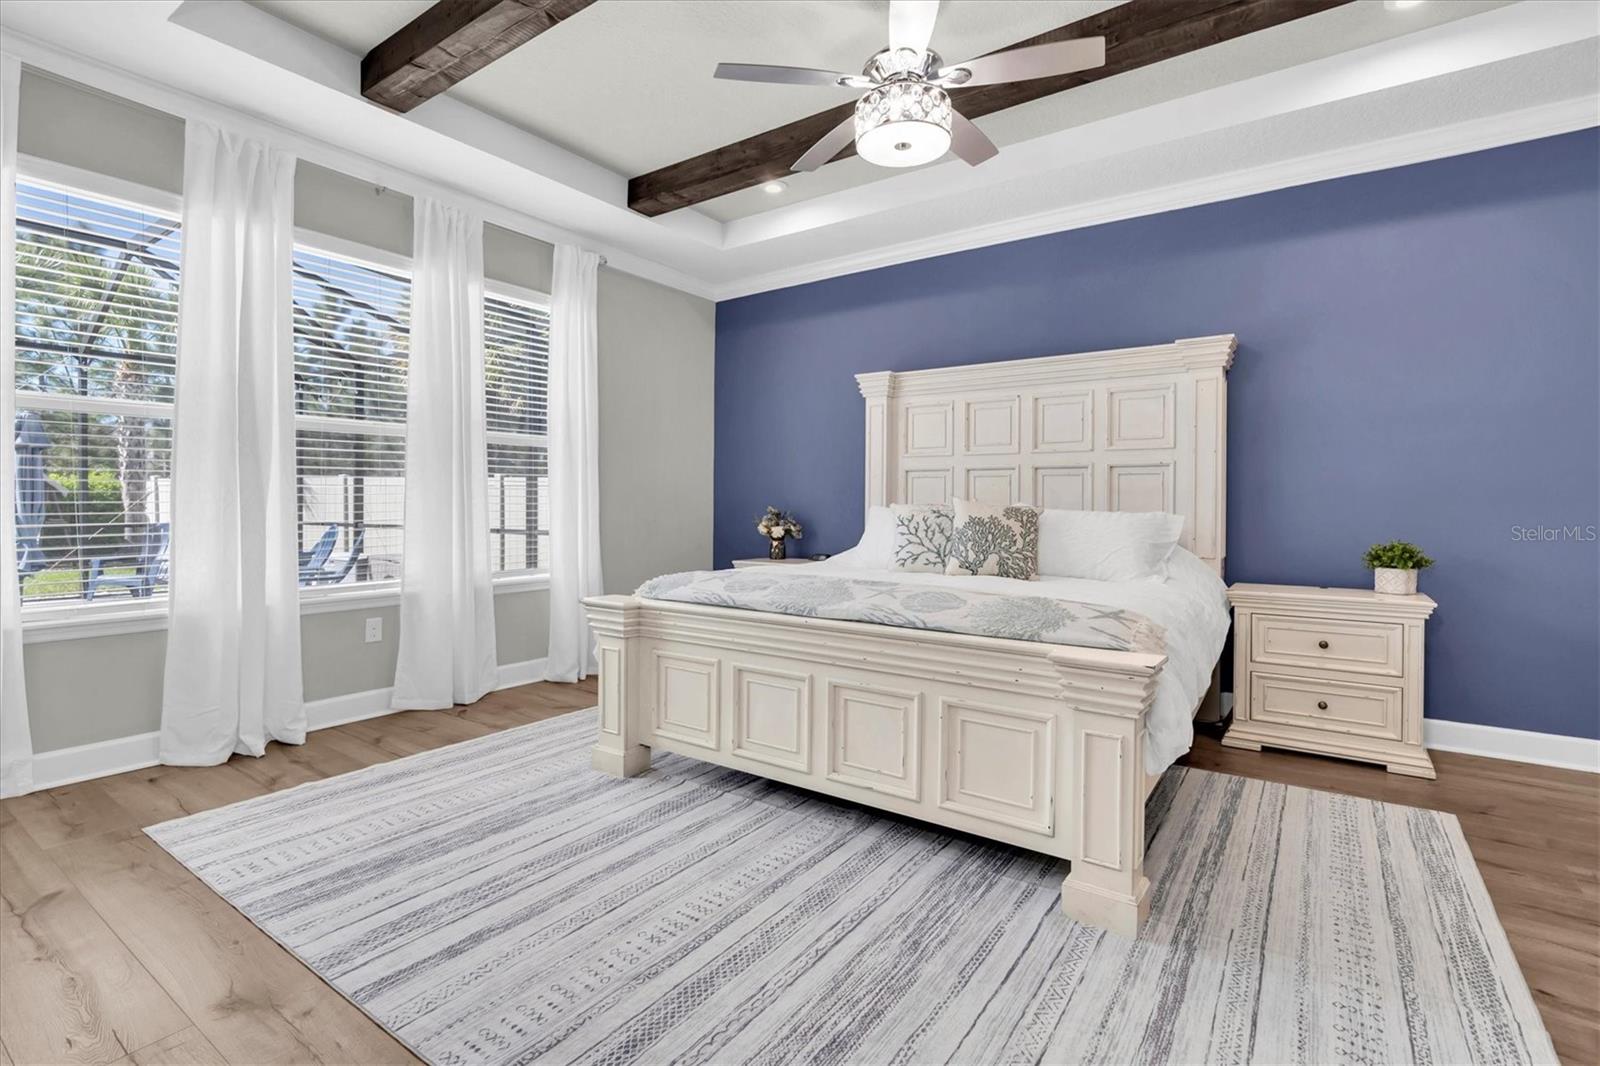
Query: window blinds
x=350 y=341
x=96 y=317
x=97 y=304
x=516 y=343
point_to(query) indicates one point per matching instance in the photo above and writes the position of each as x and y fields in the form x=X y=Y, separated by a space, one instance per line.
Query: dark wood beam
x=1137 y=33
x=450 y=40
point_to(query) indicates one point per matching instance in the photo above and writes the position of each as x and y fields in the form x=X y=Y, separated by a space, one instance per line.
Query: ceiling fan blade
x=830 y=146
x=911 y=23
x=789 y=75
x=1023 y=64
x=968 y=141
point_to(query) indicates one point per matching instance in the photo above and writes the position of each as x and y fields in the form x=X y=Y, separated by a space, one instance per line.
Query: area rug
x=498 y=901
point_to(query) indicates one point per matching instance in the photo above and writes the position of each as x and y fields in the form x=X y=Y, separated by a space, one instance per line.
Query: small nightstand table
x=1331 y=671
x=742 y=563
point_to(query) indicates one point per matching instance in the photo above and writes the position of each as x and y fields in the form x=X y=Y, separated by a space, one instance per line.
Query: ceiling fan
x=904 y=118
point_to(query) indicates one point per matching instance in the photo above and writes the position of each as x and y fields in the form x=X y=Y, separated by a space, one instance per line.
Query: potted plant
x=1394 y=567
x=777 y=526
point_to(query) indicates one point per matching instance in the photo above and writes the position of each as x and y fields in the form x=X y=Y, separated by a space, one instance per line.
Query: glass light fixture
x=903 y=124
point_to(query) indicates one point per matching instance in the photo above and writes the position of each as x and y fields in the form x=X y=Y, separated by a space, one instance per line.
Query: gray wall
x=656 y=364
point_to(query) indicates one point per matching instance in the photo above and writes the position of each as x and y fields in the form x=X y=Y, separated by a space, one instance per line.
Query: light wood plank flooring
x=111 y=952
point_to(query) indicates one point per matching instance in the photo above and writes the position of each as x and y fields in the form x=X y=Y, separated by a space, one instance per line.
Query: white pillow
x=875 y=549
x=1107 y=545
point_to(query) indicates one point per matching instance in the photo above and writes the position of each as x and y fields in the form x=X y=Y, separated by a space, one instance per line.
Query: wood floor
x=111 y=952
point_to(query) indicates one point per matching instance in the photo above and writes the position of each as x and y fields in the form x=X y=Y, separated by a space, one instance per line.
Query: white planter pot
x=1392 y=582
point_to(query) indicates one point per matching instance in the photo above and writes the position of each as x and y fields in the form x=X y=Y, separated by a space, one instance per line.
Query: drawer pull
x=1322 y=644
x=1322 y=705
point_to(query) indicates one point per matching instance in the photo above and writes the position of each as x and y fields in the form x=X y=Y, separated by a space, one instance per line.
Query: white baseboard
x=106 y=757
x=523 y=673
x=1518 y=745
x=101 y=759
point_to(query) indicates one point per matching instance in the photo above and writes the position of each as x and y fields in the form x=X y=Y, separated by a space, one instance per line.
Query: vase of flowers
x=777 y=527
x=1394 y=567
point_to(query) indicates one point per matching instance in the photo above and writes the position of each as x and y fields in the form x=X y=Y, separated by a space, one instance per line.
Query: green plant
x=1396 y=555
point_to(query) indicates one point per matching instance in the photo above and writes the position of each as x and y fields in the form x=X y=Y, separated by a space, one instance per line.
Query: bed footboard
x=1035 y=745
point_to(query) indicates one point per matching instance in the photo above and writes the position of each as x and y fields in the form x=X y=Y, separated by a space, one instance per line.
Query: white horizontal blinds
x=516 y=347
x=351 y=347
x=96 y=322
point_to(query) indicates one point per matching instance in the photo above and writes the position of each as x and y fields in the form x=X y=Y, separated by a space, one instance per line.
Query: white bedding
x=1191 y=605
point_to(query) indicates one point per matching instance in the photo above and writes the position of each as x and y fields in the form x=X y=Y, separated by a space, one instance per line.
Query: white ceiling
x=554 y=129
x=628 y=83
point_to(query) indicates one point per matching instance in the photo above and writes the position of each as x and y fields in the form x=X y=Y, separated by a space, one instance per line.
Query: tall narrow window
x=96 y=332
x=516 y=347
x=350 y=341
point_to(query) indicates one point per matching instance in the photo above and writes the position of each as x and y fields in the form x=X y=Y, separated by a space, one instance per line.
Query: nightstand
x=1331 y=671
x=742 y=563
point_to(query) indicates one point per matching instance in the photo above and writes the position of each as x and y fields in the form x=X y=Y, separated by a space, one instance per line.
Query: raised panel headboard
x=1135 y=429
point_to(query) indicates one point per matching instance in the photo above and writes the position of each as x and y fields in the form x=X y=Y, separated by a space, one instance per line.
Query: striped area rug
x=498 y=901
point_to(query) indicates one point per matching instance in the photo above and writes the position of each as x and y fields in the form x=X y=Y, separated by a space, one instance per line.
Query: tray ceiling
x=556 y=127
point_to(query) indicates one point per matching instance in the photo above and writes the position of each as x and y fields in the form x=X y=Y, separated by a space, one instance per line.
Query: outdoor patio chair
x=149 y=565
x=333 y=575
x=312 y=562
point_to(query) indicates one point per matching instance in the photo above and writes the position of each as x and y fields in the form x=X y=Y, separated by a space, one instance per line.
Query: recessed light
x=773 y=188
x=1400 y=5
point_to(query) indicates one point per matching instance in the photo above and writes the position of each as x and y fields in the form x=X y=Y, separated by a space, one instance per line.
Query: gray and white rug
x=498 y=901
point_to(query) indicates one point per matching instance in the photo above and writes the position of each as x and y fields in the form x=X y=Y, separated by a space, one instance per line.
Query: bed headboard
x=1135 y=429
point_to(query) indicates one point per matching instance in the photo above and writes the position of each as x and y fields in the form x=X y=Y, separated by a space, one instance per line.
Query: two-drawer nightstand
x=1332 y=671
x=799 y=561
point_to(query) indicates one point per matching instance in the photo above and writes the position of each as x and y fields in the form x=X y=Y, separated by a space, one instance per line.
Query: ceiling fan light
x=903 y=124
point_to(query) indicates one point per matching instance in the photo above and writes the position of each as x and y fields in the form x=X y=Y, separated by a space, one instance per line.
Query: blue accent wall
x=1419 y=357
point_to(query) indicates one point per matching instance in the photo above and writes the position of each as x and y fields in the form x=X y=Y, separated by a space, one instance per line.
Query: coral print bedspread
x=1044 y=619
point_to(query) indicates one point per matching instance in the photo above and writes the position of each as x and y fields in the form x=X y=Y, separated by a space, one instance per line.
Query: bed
x=1049 y=747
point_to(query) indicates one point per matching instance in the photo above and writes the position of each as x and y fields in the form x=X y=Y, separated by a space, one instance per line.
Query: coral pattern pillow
x=921 y=537
x=994 y=541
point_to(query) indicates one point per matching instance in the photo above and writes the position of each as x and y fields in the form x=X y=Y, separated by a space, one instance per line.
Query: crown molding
x=1495 y=131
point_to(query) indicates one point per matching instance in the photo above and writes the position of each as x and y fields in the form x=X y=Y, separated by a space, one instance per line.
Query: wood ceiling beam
x=1137 y=33
x=450 y=40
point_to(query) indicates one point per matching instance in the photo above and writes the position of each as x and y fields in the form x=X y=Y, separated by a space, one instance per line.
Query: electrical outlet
x=374 y=630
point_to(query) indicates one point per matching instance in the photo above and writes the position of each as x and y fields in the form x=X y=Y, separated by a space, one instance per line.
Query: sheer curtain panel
x=16 y=744
x=447 y=652
x=574 y=461
x=233 y=675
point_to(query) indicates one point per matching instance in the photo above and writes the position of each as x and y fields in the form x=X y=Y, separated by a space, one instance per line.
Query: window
x=516 y=358
x=96 y=333
x=350 y=352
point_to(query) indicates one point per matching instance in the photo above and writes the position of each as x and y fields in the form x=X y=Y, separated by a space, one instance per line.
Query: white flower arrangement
x=778 y=525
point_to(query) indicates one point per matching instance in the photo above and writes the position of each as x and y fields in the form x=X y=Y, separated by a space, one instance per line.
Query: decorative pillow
x=921 y=537
x=1107 y=545
x=997 y=541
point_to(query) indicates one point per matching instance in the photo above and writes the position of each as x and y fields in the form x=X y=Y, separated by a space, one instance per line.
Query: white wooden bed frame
x=1036 y=745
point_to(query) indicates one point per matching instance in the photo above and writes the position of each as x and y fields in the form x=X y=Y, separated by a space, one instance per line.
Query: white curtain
x=447 y=652
x=16 y=744
x=233 y=679
x=574 y=461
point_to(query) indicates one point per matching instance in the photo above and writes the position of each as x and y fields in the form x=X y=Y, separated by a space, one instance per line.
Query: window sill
x=80 y=621
x=85 y=621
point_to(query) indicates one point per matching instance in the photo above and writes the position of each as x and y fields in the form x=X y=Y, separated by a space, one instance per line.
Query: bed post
x=1107 y=695
x=878 y=389
x=615 y=621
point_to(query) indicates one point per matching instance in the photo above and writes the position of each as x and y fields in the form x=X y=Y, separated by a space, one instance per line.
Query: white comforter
x=1191 y=604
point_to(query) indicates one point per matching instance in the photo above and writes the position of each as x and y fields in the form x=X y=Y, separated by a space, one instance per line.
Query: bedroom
x=1173 y=636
